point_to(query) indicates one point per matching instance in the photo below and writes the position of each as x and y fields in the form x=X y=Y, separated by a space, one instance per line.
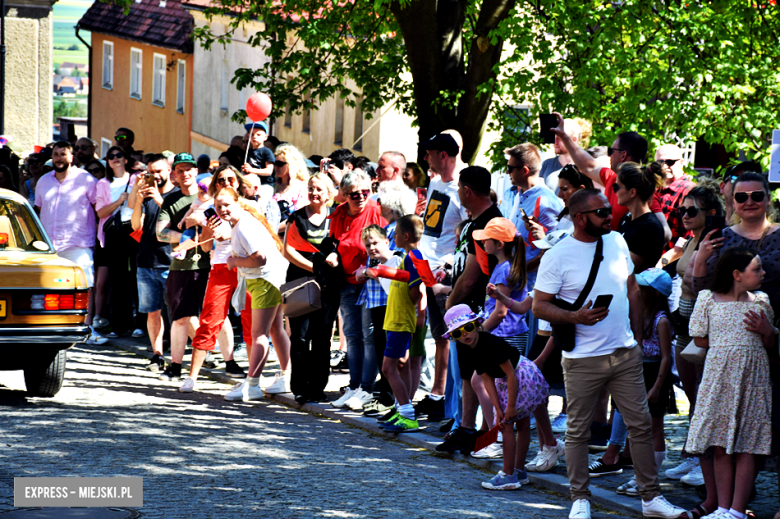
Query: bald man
x=391 y=166
x=677 y=186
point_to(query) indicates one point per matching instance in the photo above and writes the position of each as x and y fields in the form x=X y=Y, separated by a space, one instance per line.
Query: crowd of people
x=594 y=277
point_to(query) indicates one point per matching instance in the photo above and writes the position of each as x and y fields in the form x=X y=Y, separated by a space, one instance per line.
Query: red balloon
x=258 y=106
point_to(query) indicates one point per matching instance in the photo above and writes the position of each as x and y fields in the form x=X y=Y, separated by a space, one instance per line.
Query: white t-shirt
x=250 y=236
x=442 y=213
x=117 y=187
x=564 y=271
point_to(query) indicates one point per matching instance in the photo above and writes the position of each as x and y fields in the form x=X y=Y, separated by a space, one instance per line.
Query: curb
x=551 y=481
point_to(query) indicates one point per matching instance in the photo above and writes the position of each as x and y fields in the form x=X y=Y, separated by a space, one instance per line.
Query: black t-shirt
x=476 y=299
x=260 y=158
x=153 y=254
x=314 y=234
x=645 y=238
x=486 y=357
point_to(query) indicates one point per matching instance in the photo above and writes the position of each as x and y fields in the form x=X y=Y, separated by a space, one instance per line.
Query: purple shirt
x=513 y=324
x=67 y=208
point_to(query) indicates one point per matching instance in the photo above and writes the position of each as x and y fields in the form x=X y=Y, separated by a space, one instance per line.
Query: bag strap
x=594 y=270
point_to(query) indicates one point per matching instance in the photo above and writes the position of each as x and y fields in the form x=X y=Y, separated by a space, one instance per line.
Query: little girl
x=733 y=407
x=514 y=383
x=655 y=285
x=262 y=269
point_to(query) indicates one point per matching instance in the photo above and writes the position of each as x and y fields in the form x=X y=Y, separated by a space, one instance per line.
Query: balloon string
x=249 y=143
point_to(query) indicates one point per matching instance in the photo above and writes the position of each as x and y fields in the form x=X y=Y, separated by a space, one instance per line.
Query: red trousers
x=216 y=305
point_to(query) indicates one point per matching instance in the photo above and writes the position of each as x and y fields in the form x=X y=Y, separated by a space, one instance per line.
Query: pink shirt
x=67 y=208
x=104 y=198
x=297 y=196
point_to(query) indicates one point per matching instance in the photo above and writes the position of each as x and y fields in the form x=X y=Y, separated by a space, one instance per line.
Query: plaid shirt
x=670 y=198
x=373 y=294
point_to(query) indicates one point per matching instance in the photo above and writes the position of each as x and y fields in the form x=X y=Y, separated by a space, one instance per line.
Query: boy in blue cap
x=260 y=160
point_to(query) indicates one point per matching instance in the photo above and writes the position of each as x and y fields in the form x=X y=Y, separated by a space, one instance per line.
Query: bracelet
x=511 y=302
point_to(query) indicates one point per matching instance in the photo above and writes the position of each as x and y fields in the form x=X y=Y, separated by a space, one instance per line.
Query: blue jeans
x=359 y=332
x=453 y=398
x=151 y=289
x=619 y=430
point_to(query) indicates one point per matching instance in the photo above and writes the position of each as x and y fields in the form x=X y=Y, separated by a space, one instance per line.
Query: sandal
x=697 y=513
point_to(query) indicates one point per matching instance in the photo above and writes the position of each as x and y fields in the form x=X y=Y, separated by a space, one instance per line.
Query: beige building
x=28 y=66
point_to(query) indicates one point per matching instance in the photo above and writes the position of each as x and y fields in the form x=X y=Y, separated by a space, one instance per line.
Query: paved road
x=202 y=457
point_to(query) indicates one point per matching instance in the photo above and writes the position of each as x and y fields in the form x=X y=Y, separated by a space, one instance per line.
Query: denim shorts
x=151 y=289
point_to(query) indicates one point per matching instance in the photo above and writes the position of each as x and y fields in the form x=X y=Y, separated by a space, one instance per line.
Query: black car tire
x=44 y=378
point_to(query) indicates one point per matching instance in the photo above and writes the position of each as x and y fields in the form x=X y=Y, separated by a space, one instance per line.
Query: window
x=287 y=115
x=358 y=135
x=223 y=102
x=306 y=123
x=181 y=81
x=158 y=84
x=108 y=65
x=136 y=72
x=517 y=119
x=105 y=145
x=339 y=138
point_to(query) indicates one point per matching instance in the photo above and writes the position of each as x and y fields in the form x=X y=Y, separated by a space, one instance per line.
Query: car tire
x=44 y=378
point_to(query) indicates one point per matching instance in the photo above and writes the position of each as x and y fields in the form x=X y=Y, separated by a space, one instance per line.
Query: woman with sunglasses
x=347 y=222
x=119 y=249
x=291 y=191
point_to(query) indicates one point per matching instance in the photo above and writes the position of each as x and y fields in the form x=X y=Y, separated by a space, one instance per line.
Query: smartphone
x=547 y=121
x=149 y=178
x=714 y=222
x=602 y=301
x=209 y=213
x=523 y=214
x=422 y=193
x=324 y=165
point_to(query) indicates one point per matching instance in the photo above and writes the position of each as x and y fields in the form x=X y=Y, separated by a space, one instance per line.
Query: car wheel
x=44 y=378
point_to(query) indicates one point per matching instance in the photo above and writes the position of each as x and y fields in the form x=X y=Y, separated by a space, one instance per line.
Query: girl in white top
x=257 y=255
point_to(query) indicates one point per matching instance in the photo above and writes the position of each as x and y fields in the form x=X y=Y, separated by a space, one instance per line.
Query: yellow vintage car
x=43 y=299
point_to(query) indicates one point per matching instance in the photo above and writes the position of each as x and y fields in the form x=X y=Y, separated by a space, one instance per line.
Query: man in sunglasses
x=677 y=186
x=125 y=138
x=84 y=151
x=607 y=350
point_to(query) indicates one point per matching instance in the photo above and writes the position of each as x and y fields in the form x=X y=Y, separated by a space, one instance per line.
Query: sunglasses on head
x=742 y=196
x=610 y=151
x=466 y=328
x=601 y=212
x=691 y=211
x=225 y=180
x=117 y=155
x=357 y=195
x=279 y=163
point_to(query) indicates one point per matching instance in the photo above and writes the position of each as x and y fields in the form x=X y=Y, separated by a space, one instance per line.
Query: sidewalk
x=765 y=505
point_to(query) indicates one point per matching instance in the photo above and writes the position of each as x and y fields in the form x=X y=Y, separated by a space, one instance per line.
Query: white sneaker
x=531 y=465
x=349 y=393
x=358 y=400
x=492 y=451
x=96 y=338
x=254 y=393
x=550 y=456
x=138 y=333
x=694 y=478
x=660 y=507
x=559 y=424
x=580 y=509
x=237 y=393
x=281 y=384
x=683 y=468
x=188 y=386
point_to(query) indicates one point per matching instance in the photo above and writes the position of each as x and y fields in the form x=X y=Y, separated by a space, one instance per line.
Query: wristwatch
x=664 y=261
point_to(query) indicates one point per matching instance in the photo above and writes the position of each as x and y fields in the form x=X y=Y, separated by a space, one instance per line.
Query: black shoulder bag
x=564 y=333
x=114 y=226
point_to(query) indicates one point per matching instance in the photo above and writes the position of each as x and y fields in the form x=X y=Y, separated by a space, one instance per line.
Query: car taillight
x=57 y=302
x=3 y=238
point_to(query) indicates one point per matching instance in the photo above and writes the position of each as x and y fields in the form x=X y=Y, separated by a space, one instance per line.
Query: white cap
x=550 y=240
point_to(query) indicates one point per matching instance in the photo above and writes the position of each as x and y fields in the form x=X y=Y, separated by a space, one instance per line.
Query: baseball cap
x=499 y=229
x=184 y=158
x=477 y=178
x=658 y=279
x=261 y=124
x=441 y=142
x=550 y=240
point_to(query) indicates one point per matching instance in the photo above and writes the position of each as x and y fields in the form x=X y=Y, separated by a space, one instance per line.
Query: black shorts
x=99 y=258
x=436 y=311
x=666 y=403
x=184 y=291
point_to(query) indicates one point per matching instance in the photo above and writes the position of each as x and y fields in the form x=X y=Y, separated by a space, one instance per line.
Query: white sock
x=659 y=459
x=253 y=381
x=407 y=411
x=736 y=514
x=435 y=398
x=723 y=510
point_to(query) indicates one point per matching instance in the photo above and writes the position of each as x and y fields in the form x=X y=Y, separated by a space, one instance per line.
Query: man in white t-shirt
x=443 y=212
x=605 y=352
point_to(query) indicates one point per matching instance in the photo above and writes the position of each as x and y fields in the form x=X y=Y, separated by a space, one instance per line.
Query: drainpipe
x=2 y=67
x=91 y=83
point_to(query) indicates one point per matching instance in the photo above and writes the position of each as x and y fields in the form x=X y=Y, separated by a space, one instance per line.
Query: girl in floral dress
x=733 y=409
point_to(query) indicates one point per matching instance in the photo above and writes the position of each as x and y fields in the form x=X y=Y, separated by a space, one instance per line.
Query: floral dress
x=733 y=408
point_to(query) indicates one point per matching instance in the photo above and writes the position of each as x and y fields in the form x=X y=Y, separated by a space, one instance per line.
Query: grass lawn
x=66 y=13
x=74 y=56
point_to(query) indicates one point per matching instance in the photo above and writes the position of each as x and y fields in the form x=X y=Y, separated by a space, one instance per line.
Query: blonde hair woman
x=292 y=175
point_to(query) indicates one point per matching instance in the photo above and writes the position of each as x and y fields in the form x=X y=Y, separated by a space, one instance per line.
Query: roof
x=147 y=22
x=78 y=66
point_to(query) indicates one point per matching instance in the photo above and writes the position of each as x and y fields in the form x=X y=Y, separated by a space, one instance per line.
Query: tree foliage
x=666 y=68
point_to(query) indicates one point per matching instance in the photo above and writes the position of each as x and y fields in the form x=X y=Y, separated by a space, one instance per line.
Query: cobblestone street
x=203 y=457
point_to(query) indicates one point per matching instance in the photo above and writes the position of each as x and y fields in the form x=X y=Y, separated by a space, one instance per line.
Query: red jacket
x=346 y=229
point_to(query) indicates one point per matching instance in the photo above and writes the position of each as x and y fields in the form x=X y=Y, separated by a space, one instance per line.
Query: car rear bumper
x=51 y=338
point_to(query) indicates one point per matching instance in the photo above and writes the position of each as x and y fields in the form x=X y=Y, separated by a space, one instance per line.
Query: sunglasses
x=742 y=196
x=120 y=137
x=94 y=171
x=466 y=328
x=670 y=162
x=279 y=163
x=616 y=187
x=83 y=147
x=601 y=212
x=357 y=195
x=115 y=156
x=226 y=180
x=690 y=212
x=610 y=151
